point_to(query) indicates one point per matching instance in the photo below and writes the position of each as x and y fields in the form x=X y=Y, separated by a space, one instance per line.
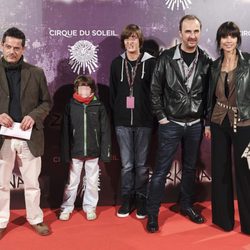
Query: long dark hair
x=227 y=29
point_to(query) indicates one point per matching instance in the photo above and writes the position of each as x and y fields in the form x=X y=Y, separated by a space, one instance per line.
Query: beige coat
x=35 y=102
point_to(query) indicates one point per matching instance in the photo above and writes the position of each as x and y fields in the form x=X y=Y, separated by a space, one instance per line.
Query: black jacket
x=141 y=116
x=242 y=81
x=170 y=97
x=85 y=131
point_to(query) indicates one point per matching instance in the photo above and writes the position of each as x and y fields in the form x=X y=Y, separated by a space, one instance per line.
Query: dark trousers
x=134 y=146
x=224 y=140
x=169 y=137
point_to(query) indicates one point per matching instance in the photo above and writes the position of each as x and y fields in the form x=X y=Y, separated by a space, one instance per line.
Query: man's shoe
x=152 y=224
x=123 y=211
x=125 y=208
x=141 y=207
x=193 y=215
x=2 y=230
x=41 y=229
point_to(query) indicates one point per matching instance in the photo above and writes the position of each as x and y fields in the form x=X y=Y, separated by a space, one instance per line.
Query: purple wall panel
x=84 y=34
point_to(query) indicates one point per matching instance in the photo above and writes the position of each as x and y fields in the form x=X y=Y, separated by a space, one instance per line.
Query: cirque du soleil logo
x=177 y=4
x=83 y=55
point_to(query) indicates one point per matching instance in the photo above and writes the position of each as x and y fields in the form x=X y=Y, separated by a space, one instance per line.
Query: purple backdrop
x=70 y=37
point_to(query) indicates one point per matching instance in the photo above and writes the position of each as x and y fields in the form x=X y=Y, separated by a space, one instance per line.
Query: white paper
x=246 y=154
x=16 y=131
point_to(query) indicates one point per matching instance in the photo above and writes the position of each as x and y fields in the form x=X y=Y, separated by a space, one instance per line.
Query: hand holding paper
x=6 y=120
x=16 y=131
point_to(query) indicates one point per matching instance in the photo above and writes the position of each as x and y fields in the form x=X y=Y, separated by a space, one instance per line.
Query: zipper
x=131 y=110
x=108 y=151
x=96 y=137
x=85 y=131
x=131 y=117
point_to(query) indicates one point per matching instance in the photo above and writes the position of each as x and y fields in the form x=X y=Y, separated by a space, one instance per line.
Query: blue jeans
x=169 y=137
x=134 y=146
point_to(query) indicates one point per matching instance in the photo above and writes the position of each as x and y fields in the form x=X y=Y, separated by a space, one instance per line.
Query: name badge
x=130 y=102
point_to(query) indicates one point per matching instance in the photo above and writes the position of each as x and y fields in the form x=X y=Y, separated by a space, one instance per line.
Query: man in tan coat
x=25 y=100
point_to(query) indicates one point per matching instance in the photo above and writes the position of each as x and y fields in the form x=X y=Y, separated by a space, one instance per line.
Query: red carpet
x=111 y=233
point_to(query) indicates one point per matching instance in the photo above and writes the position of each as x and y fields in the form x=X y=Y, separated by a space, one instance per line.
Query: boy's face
x=84 y=91
x=132 y=44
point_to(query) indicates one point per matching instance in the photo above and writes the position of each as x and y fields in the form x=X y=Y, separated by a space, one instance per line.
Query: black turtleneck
x=13 y=74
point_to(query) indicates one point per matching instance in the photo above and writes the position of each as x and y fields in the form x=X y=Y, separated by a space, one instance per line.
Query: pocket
x=165 y=124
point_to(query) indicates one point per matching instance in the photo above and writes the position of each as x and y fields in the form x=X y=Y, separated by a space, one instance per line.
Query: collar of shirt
x=187 y=72
x=177 y=54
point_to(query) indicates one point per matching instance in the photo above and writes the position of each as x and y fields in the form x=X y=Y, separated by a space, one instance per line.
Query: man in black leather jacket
x=179 y=93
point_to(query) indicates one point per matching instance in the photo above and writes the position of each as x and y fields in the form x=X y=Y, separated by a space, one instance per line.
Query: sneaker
x=125 y=208
x=141 y=207
x=123 y=212
x=41 y=228
x=64 y=216
x=141 y=214
x=91 y=215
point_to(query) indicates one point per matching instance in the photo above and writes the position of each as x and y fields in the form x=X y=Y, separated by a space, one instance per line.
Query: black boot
x=125 y=208
x=152 y=224
x=141 y=207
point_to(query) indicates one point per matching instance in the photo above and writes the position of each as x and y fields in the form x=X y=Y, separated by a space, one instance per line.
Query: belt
x=235 y=110
x=187 y=123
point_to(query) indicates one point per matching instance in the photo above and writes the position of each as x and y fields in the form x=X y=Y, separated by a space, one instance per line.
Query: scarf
x=81 y=99
x=12 y=66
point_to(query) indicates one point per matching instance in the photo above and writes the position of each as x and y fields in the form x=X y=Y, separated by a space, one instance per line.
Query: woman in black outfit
x=229 y=107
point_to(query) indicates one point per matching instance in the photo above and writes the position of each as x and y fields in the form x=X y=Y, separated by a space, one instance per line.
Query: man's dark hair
x=228 y=29
x=14 y=32
x=128 y=31
x=189 y=17
x=84 y=80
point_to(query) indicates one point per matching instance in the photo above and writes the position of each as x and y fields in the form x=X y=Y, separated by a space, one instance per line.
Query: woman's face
x=228 y=43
